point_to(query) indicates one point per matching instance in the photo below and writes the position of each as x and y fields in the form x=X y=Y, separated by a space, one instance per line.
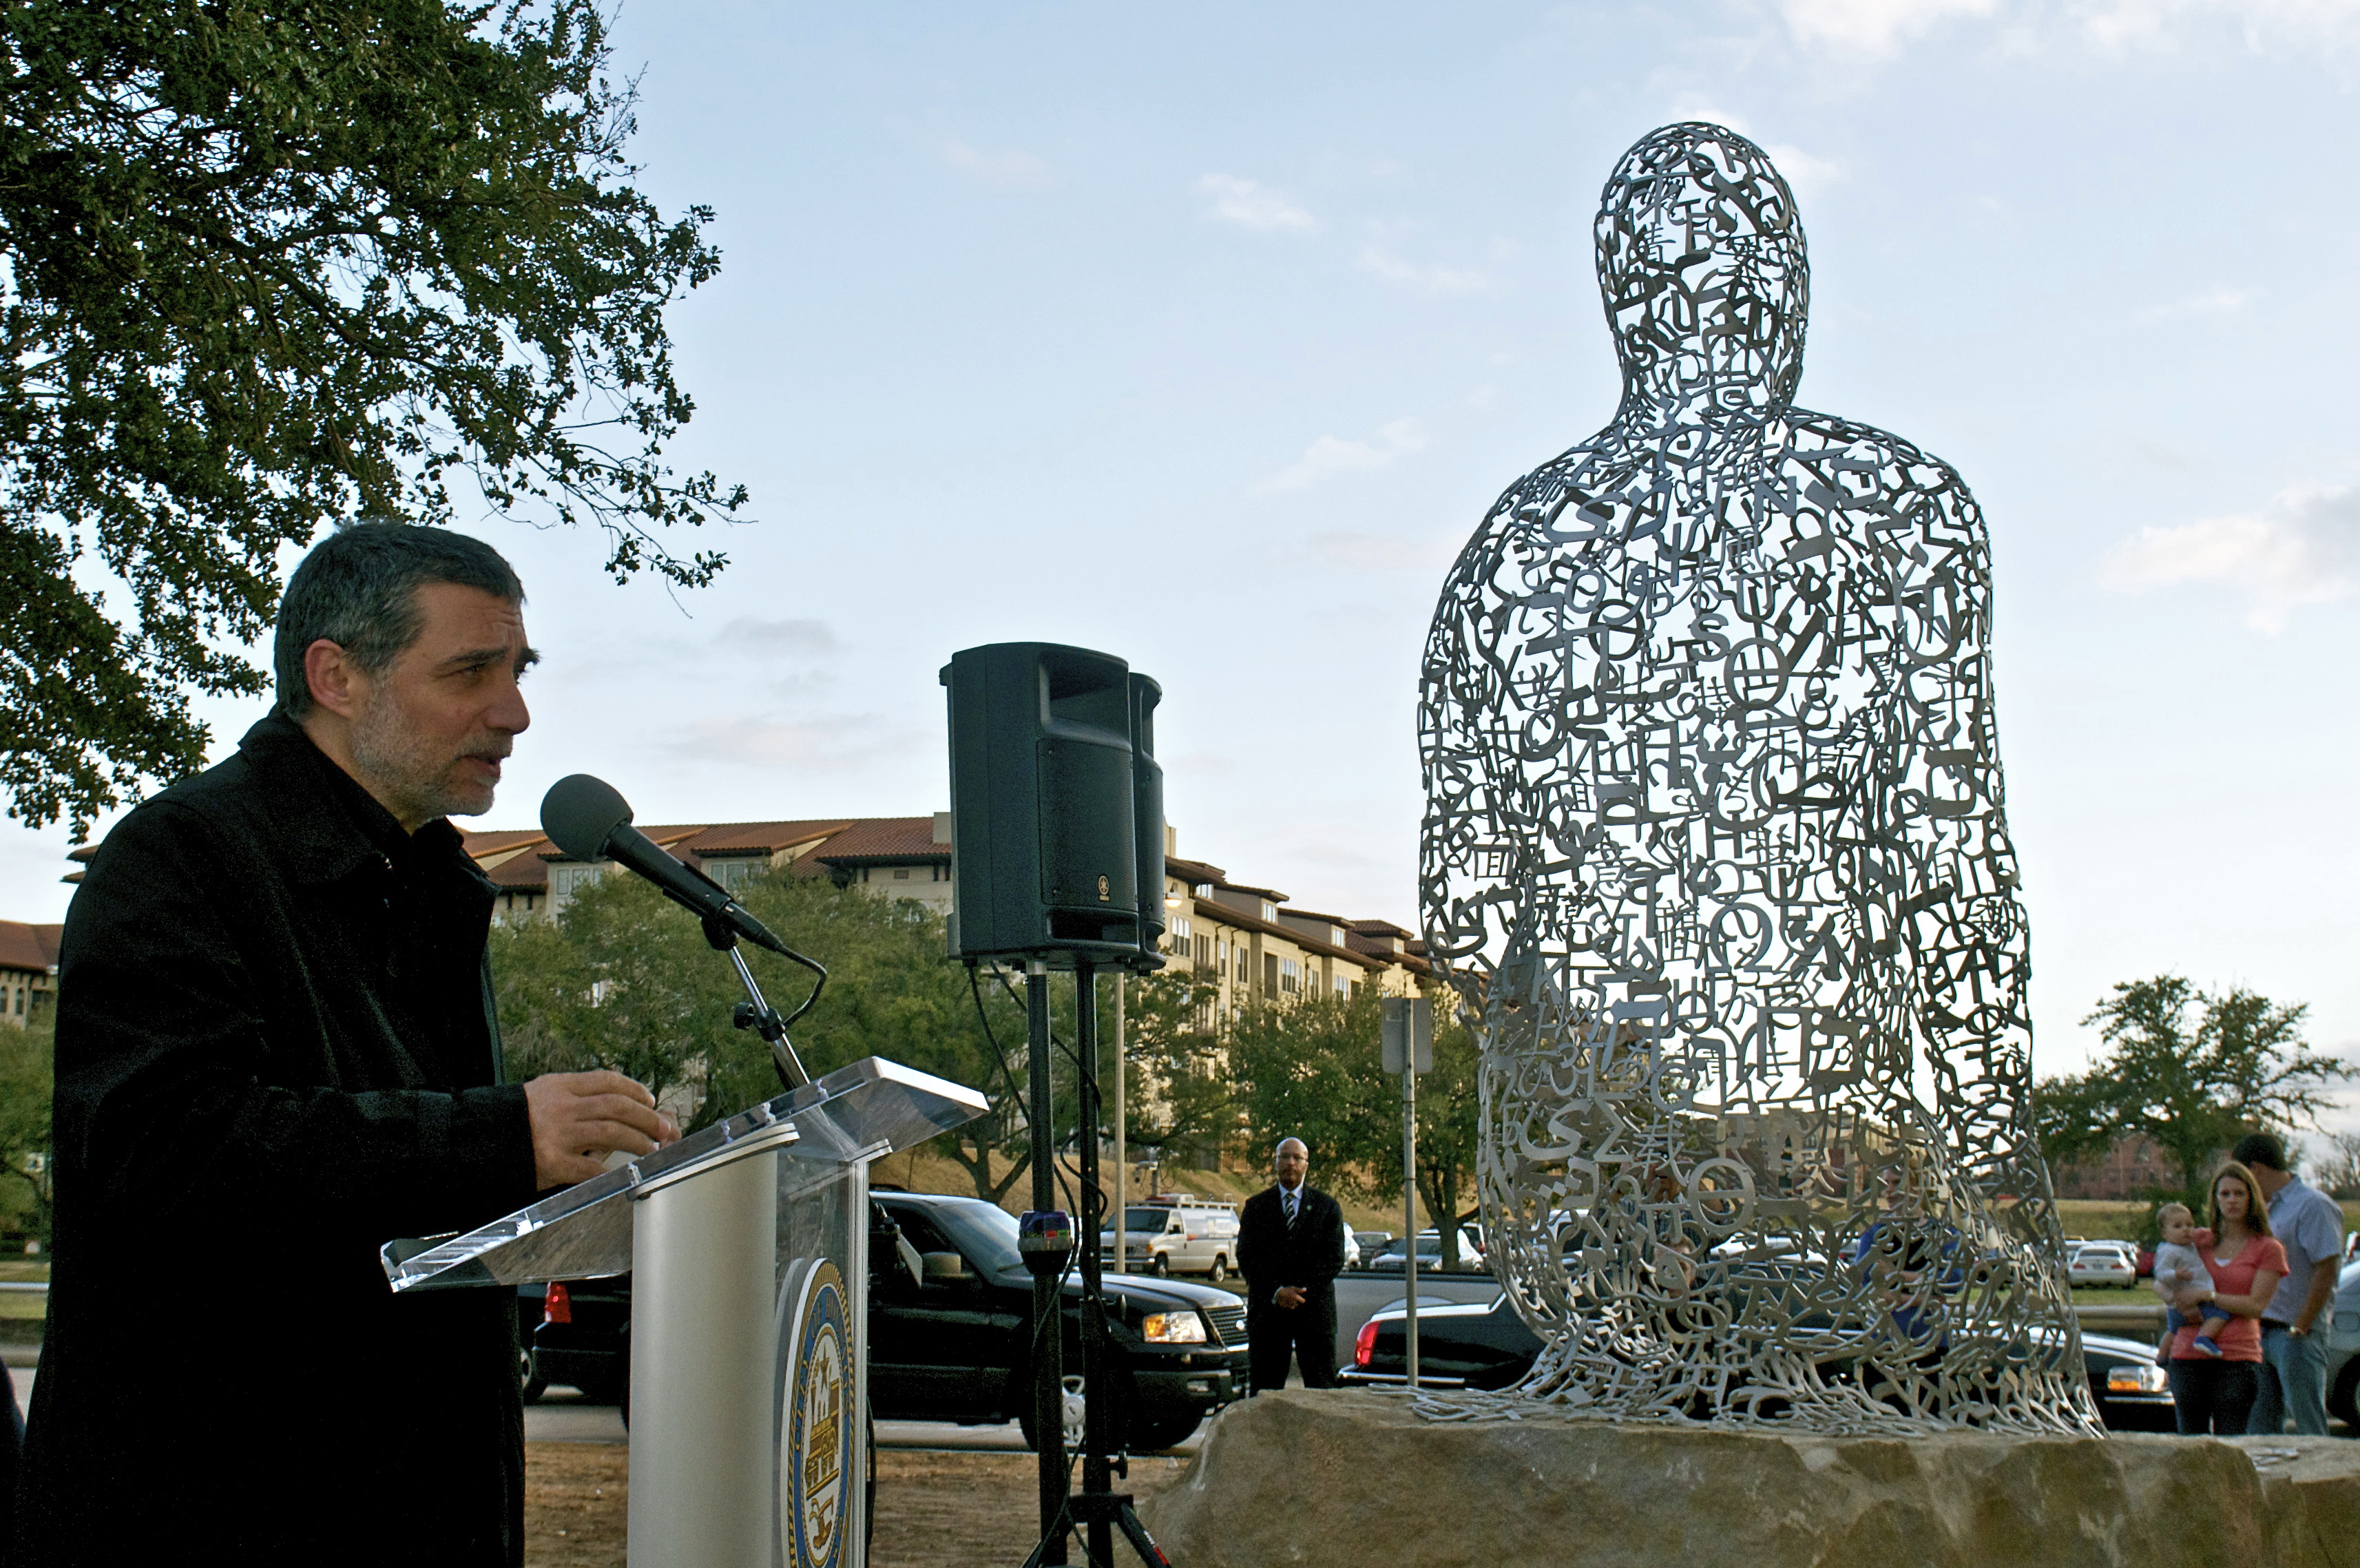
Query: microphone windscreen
x=580 y=811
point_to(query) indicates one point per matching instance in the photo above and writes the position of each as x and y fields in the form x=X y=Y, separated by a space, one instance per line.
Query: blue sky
x=1205 y=338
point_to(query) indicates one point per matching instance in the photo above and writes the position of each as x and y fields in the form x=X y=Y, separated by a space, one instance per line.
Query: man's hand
x=579 y=1119
x=1289 y=1296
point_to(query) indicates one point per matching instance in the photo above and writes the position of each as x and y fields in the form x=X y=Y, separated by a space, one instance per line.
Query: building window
x=735 y=872
x=900 y=874
x=1268 y=973
x=1204 y=953
x=1290 y=978
x=567 y=880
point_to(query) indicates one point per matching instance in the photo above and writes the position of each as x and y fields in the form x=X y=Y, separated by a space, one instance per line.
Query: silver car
x=2342 y=1343
x=2103 y=1263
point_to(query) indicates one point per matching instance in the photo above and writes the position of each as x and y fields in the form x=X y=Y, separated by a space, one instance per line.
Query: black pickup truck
x=949 y=1336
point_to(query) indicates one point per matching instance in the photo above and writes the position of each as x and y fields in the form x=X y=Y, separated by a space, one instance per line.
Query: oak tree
x=265 y=267
x=2190 y=1071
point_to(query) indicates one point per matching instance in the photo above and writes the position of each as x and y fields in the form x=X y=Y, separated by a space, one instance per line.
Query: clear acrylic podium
x=747 y=1245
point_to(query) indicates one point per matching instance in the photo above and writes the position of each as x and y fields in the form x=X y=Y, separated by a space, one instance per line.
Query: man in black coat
x=1290 y=1248
x=276 y=1050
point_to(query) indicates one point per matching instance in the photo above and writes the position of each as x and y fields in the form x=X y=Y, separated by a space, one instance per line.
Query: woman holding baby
x=2214 y=1393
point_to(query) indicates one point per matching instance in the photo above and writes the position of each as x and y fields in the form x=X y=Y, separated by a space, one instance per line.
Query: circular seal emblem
x=817 y=1469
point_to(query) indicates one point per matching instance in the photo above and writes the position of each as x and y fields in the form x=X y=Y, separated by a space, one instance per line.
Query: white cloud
x=2214 y=302
x=835 y=743
x=2118 y=25
x=1882 y=29
x=1871 y=26
x=750 y=633
x=1251 y=205
x=1332 y=455
x=1010 y=168
x=2298 y=549
x=1386 y=552
x=1427 y=279
x=1803 y=171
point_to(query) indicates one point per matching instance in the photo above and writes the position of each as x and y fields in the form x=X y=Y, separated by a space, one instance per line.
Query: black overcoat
x=275 y=1052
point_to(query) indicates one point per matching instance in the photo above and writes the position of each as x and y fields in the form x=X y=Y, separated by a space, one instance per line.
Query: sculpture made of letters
x=1714 y=851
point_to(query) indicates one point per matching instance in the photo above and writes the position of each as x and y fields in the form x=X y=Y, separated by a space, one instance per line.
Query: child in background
x=2181 y=1275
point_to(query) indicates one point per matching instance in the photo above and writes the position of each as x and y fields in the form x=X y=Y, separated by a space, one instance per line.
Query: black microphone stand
x=756 y=1013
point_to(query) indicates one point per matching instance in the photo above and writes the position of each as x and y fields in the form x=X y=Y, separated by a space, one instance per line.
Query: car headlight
x=1173 y=1328
x=2137 y=1377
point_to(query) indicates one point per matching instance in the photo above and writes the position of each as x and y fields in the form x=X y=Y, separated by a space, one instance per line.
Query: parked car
x=949 y=1338
x=1429 y=1253
x=1366 y=1245
x=1176 y=1239
x=2103 y=1263
x=2344 y=1348
x=1479 y=1347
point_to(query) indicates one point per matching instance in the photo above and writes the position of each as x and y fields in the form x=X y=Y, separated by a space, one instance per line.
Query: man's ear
x=336 y=683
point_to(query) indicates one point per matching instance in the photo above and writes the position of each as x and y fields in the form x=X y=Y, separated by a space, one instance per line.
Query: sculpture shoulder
x=1869 y=466
x=1544 y=509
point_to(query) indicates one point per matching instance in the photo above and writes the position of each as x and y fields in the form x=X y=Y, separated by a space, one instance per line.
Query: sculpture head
x=1700 y=260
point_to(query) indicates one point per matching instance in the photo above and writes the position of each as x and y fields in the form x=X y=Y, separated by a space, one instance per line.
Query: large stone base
x=1358 y=1479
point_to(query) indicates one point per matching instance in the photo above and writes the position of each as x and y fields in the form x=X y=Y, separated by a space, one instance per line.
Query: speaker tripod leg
x=1141 y=1541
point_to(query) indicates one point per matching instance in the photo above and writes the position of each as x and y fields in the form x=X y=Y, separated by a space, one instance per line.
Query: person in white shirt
x=2294 y=1356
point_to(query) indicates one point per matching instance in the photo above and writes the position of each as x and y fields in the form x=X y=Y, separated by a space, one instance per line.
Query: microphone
x=589 y=821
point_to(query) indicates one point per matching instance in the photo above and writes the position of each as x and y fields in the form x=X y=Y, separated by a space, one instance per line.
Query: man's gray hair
x=1283 y=1142
x=358 y=588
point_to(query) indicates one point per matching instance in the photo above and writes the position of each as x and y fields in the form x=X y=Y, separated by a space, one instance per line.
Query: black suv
x=949 y=1314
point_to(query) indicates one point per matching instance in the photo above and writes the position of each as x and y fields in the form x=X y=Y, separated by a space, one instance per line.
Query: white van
x=1175 y=1235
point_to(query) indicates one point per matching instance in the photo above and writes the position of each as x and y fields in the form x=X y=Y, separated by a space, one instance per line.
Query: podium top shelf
x=871 y=1109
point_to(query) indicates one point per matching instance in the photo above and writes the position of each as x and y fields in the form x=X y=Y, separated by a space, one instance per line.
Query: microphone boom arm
x=756 y=1013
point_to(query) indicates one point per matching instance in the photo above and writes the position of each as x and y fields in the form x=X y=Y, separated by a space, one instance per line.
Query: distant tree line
x=623 y=979
x=2191 y=1071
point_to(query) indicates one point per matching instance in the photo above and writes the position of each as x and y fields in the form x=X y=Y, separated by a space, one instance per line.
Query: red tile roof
x=28 y=947
x=1229 y=914
x=883 y=838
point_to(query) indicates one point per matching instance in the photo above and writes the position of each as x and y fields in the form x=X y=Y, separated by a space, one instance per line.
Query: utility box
x=1047 y=842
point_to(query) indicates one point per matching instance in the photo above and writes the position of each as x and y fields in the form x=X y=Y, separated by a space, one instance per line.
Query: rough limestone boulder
x=1358 y=1479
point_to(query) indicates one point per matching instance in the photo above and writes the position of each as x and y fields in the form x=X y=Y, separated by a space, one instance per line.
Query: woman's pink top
x=2240 y=1339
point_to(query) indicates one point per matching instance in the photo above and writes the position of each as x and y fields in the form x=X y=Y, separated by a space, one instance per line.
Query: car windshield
x=1144 y=1219
x=985 y=1232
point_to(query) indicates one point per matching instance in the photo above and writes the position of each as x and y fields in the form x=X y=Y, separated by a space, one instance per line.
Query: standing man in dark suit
x=1290 y=1248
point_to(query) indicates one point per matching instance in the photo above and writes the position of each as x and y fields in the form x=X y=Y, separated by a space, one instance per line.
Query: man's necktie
x=1289 y=1208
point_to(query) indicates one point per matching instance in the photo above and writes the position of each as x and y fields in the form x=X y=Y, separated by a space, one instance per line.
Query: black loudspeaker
x=1147 y=811
x=1049 y=844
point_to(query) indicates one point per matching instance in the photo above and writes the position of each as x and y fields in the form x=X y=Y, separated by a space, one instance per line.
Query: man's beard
x=412 y=774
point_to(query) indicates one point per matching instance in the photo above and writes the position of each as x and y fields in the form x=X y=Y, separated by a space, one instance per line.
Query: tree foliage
x=264 y=267
x=1315 y=1070
x=1181 y=1096
x=2192 y=1086
x=624 y=979
x=28 y=1059
x=2336 y=1169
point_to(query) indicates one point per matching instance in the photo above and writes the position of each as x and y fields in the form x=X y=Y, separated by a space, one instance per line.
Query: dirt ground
x=934 y=1509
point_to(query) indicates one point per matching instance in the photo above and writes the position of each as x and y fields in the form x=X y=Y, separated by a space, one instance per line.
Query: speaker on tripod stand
x=1057 y=864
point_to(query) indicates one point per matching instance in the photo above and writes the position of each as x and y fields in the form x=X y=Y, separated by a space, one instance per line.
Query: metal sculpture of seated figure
x=1714 y=852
